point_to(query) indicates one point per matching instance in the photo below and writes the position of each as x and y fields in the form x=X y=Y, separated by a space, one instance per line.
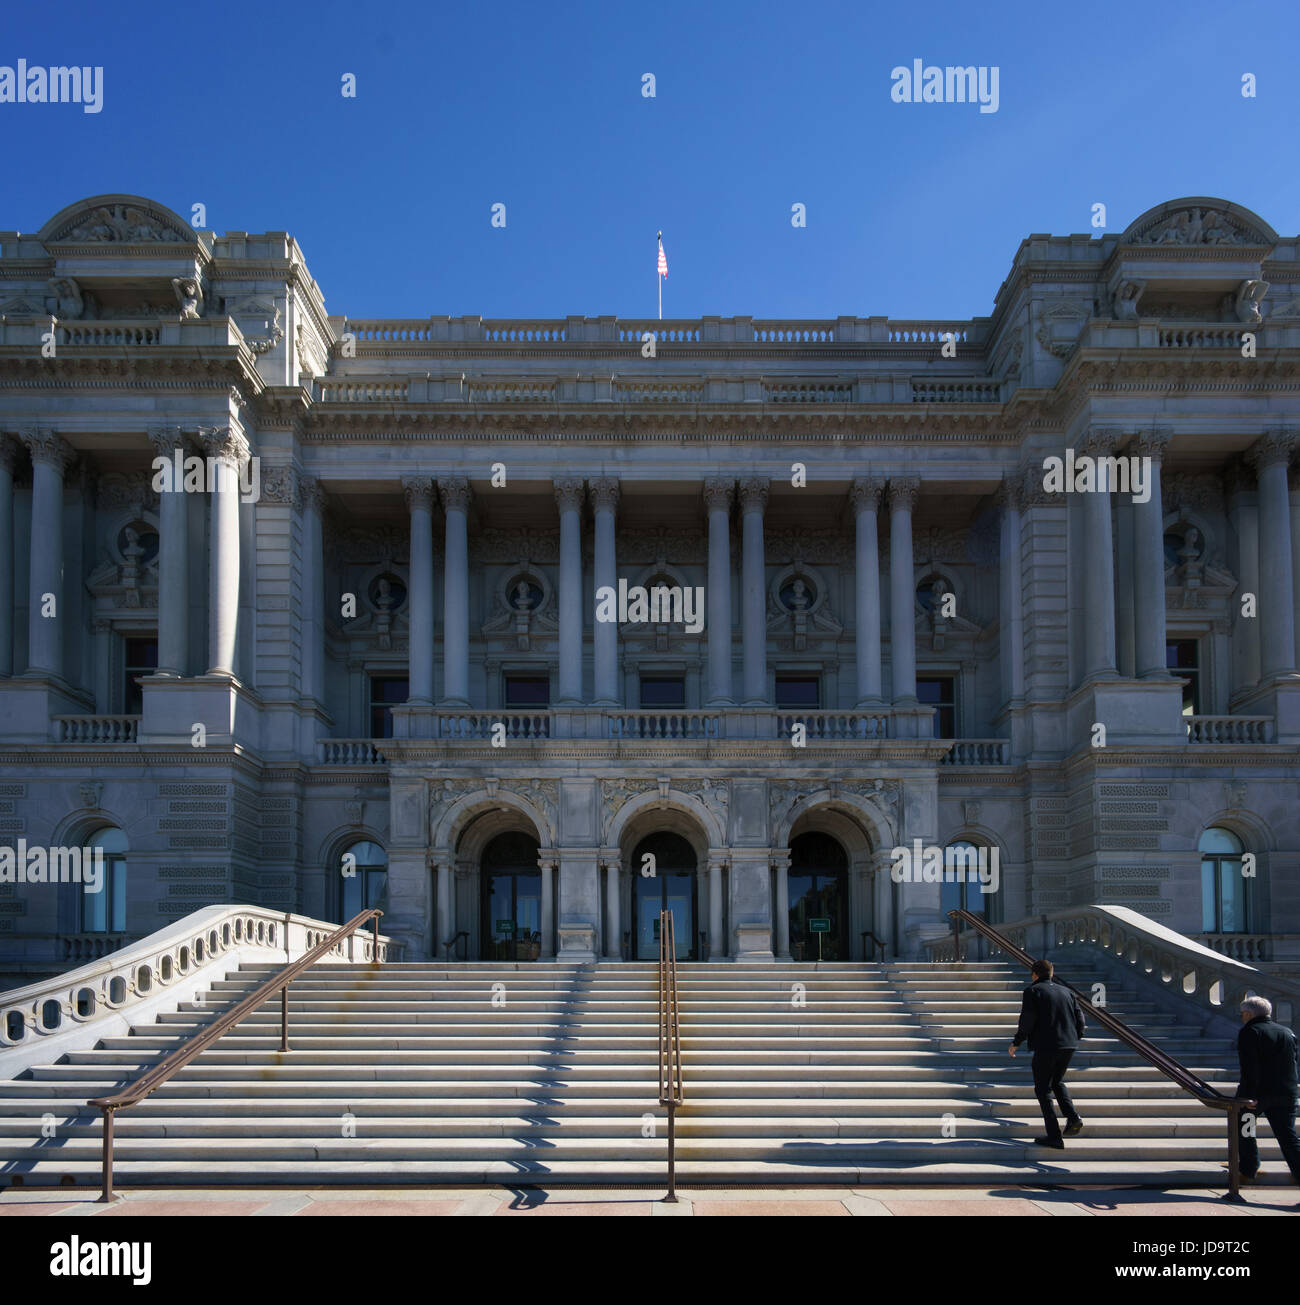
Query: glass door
x=512 y=915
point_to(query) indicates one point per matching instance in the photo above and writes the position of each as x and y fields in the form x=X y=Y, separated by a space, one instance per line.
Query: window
x=1181 y=657
x=528 y=691
x=385 y=692
x=967 y=870
x=364 y=876
x=797 y=692
x=663 y=691
x=940 y=692
x=1225 y=889
x=104 y=911
x=140 y=657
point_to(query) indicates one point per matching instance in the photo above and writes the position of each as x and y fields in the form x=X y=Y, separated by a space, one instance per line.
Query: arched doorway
x=510 y=899
x=672 y=887
x=818 y=888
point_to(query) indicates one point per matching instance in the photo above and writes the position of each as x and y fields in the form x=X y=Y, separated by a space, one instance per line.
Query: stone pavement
x=718 y=1201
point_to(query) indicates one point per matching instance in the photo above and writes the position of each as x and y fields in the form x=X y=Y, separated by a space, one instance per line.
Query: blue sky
x=912 y=210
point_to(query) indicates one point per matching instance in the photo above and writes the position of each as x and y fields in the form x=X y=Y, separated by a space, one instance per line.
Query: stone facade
x=436 y=505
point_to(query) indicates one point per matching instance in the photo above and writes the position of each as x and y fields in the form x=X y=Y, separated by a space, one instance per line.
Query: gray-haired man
x=1267 y=1052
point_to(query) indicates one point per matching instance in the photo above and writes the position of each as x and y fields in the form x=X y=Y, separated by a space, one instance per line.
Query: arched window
x=968 y=871
x=103 y=911
x=1225 y=889
x=364 y=876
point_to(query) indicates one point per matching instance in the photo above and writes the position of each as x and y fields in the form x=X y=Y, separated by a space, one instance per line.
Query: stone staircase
x=539 y=1074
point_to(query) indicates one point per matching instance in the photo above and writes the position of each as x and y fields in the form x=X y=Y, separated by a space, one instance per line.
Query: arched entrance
x=510 y=899
x=672 y=887
x=818 y=887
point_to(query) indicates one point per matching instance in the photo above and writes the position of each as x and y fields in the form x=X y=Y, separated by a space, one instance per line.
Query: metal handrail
x=205 y=1037
x=876 y=943
x=670 y=1042
x=1172 y=1069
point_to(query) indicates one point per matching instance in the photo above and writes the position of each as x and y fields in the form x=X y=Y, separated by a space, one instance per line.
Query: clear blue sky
x=913 y=210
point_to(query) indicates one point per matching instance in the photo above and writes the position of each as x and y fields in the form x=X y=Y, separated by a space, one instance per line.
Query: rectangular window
x=140 y=655
x=386 y=691
x=1182 y=657
x=663 y=691
x=528 y=691
x=940 y=692
x=798 y=692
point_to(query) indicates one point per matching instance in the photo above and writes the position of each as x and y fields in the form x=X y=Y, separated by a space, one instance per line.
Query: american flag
x=663 y=261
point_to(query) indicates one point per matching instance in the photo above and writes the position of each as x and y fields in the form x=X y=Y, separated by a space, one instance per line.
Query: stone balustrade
x=96 y=729
x=1230 y=729
x=974 y=391
x=348 y=752
x=978 y=752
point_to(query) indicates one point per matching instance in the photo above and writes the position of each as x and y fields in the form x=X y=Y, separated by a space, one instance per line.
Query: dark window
x=104 y=911
x=364 y=875
x=1181 y=657
x=663 y=691
x=798 y=692
x=528 y=691
x=940 y=692
x=1225 y=886
x=385 y=692
x=963 y=884
x=141 y=658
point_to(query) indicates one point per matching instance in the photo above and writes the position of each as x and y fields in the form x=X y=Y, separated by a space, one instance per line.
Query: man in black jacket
x=1267 y=1052
x=1052 y=1022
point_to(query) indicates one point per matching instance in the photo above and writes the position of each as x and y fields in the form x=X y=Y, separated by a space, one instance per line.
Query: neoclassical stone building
x=370 y=672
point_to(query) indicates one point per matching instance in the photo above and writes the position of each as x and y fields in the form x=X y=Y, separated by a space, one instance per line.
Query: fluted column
x=312 y=496
x=902 y=588
x=173 y=558
x=547 y=864
x=1149 y=562
x=419 y=499
x=1011 y=621
x=1098 y=568
x=781 y=907
x=865 y=495
x=717 y=943
x=604 y=502
x=8 y=460
x=50 y=457
x=613 y=925
x=455 y=596
x=226 y=450
x=717 y=501
x=1270 y=456
x=753 y=589
x=568 y=498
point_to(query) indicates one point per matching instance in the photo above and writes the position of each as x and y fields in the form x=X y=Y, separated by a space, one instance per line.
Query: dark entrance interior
x=672 y=888
x=510 y=896
x=818 y=881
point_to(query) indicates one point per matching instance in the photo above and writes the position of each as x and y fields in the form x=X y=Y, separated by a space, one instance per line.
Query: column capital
x=1273 y=446
x=455 y=492
x=604 y=493
x=312 y=494
x=167 y=439
x=48 y=448
x=719 y=858
x=1010 y=495
x=8 y=452
x=568 y=493
x=717 y=494
x=865 y=493
x=1098 y=441
x=224 y=443
x=547 y=859
x=1152 y=443
x=903 y=491
x=753 y=493
x=419 y=492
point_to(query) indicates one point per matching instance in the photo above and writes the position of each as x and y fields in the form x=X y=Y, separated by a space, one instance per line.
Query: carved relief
x=1194 y=227
x=123 y=224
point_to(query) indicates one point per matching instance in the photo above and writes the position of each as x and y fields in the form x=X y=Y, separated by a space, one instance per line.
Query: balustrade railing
x=96 y=729
x=978 y=752
x=663 y=725
x=1229 y=729
x=348 y=752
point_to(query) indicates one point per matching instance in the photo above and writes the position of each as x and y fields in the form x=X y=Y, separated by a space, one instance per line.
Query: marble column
x=547 y=863
x=781 y=907
x=227 y=451
x=604 y=502
x=902 y=588
x=1098 y=569
x=613 y=925
x=717 y=943
x=1149 y=563
x=173 y=559
x=419 y=499
x=1270 y=456
x=1295 y=552
x=445 y=927
x=50 y=457
x=455 y=604
x=313 y=589
x=8 y=460
x=568 y=498
x=717 y=500
x=865 y=495
x=1011 y=622
x=753 y=590
x=1126 y=562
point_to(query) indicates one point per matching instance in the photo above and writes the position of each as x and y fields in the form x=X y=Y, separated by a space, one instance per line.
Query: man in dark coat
x=1267 y=1052
x=1053 y=1024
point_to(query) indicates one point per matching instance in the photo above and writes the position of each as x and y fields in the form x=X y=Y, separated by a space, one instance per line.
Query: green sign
x=819 y=924
x=505 y=926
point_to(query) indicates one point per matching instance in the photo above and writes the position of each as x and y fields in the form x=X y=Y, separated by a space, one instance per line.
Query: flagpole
x=660 y=280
